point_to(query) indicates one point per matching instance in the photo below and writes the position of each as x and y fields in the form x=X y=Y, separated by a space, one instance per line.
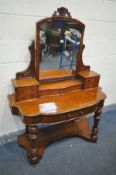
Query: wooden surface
x=59 y=87
x=54 y=74
x=50 y=74
x=88 y=74
x=60 y=84
x=24 y=82
x=58 y=104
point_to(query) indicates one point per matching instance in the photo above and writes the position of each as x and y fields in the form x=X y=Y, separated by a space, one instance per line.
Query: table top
x=58 y=104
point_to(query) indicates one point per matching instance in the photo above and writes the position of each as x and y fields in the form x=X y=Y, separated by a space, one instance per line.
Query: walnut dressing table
x=62 y=95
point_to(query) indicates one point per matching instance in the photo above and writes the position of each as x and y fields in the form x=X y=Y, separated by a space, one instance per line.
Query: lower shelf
x=36 y=144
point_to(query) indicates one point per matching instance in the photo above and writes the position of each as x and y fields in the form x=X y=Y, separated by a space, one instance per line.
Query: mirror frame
x=61 y=14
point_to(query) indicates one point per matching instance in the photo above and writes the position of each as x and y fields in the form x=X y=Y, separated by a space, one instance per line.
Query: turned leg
x=94 y=135
x=32 y=152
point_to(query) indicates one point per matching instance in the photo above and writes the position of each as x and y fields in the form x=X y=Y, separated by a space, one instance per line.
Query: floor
x=70 y=156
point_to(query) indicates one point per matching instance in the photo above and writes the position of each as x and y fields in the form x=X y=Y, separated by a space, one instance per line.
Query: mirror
x=59 y=44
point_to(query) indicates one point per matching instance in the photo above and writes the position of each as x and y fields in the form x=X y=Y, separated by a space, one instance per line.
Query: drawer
x=91 y=82
x=55 y=118
x=90 y=79
x=68 y=116
x=26 y=92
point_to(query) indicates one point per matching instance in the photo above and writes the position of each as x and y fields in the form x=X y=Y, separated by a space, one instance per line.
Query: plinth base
x=52 y=133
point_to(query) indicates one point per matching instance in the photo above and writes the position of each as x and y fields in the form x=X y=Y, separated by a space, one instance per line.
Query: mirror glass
x=59 y=44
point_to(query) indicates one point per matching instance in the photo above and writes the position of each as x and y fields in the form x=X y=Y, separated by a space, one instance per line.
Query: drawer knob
x=69 y=115
x=81 y=112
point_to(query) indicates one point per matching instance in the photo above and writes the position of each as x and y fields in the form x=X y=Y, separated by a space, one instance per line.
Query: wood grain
x=60 y=104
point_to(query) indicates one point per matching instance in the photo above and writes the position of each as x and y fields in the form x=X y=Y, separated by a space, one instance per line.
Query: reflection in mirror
x=59 y=43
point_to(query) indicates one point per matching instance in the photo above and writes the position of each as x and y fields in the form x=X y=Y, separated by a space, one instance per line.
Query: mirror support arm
x=80 y=65
x=30 y=71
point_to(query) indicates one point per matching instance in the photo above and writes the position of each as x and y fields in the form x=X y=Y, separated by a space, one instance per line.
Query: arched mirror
x=59 y=43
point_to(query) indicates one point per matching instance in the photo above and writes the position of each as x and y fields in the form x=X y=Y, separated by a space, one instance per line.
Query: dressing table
x=57 y=90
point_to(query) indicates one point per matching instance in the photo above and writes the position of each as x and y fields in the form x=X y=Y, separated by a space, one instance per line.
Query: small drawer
x=91 y=82
x=90 y=79
x=26 y=92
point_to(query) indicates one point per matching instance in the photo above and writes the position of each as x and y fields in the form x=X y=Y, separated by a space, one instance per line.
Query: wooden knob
x=81 y=112
x=69 y=115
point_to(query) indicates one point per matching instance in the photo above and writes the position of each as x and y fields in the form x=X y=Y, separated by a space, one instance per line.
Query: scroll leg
x=32 y=152
x=94 y=135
